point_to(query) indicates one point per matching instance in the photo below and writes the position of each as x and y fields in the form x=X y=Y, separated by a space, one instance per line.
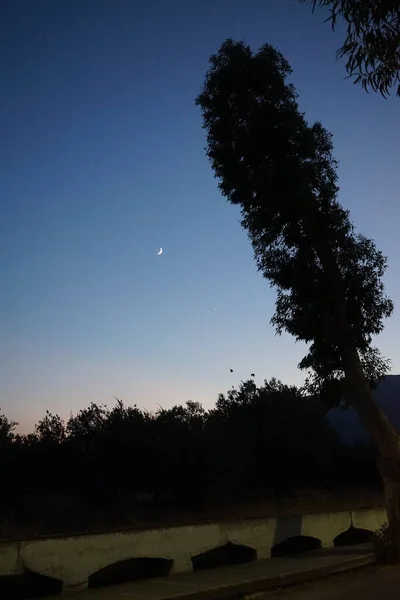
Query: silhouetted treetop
x=282 y=173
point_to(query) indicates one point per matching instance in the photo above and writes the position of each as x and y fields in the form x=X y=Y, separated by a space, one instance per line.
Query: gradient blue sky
x=102 y=162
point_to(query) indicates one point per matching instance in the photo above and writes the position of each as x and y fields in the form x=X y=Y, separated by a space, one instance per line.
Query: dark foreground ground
x=370 y=583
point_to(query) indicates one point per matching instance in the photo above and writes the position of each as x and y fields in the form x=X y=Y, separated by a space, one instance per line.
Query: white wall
x=73 y=559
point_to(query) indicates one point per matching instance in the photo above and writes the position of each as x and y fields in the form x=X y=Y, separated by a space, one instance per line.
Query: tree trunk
x=385 y=438
x=358 y=391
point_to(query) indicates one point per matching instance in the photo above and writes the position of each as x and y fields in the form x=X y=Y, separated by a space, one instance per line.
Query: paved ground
x=370 y=583
x=238 y=581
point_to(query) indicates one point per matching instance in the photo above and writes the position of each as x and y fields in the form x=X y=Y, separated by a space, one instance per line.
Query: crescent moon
x=159 y=252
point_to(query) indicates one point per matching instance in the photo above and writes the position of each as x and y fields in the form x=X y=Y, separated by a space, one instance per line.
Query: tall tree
x=372 y=44
x=281 y=171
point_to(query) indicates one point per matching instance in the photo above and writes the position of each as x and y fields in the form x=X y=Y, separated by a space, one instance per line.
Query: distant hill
x=346 y=422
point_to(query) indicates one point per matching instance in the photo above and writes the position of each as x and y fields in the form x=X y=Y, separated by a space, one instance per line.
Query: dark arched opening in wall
x=352 y=537
x=229 y=554
x=130 y=569
x=295 y=545
x=39 y=586
x=29 y=584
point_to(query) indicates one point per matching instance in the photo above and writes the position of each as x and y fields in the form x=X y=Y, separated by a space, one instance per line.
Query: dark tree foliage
x=372 y=44
x=7 y=428
x=256 y=442
x=281 y=171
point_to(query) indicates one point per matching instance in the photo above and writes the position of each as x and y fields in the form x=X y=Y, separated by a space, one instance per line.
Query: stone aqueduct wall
x=74 y=559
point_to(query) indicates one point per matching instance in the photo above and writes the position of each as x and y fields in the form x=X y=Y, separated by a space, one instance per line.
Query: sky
x=102 y=163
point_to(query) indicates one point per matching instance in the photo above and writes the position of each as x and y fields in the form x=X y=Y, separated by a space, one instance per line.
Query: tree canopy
x=256 y=442
x=282 y=173
x=372 y=45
